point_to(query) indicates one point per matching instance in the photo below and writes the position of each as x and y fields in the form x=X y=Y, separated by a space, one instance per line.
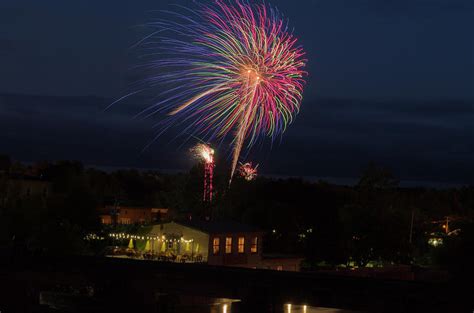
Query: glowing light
x=204 y=152
x=435 y=242
x=224 y=308
x=288 y=308
x=305 y=307
x=225 y=70
x=248 y=171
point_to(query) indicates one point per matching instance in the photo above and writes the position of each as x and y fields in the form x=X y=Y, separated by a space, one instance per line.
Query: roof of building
x=220 y=227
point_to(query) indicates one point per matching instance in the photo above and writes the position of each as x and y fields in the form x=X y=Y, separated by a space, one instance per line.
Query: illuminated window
x=241 y=245
x=254 y=246
x=216 y=245
x=228 y=245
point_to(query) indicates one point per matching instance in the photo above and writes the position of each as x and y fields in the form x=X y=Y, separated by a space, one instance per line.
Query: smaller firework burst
x=206 y=154
x=248 y=171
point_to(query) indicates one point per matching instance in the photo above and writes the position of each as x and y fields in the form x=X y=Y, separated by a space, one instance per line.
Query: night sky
x=390 y=82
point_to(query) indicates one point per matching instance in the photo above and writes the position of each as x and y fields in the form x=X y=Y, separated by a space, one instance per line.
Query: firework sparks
x=206 y=154
x=248 y=171
x=228 y=71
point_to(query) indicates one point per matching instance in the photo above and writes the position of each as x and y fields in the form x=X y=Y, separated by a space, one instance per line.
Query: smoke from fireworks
x=206 y=154
x=227 y=70
x=247 y=171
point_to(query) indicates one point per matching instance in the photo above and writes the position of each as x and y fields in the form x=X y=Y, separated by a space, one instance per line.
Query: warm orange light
x=241 y=245
x=251 y=75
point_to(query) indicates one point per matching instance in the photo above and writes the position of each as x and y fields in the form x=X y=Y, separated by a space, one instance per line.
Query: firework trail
x=206 y=154
x=225 y=70
x=248 y=171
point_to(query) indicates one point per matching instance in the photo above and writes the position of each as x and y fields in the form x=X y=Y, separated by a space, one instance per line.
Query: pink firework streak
x=226 y=70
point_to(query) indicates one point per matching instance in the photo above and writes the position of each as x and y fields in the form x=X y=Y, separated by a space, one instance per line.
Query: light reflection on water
x=291 y=308
x=287 y=308
x=183 y=304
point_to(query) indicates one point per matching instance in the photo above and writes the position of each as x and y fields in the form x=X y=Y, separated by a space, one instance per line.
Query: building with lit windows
x=214 y=242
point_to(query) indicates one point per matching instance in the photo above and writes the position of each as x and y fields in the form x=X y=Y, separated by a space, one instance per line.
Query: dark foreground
x=88 y=284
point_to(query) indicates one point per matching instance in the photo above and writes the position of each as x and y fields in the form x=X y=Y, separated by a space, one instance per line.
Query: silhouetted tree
x=377 y=177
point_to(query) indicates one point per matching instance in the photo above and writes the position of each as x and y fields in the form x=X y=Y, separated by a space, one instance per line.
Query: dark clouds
x=330 y=137
x=417 y=142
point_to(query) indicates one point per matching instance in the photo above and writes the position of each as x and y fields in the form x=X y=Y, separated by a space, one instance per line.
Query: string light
x=119 y=236
x=93 y=237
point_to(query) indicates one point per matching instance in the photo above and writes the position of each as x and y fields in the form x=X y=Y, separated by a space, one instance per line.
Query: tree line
x=373 y=221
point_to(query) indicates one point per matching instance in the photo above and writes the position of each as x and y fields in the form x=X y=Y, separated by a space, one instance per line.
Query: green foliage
x=54 y=222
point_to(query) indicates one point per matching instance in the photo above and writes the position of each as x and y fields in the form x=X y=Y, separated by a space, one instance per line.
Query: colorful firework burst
x=248 y=171
x=206 y=154
x=227 y=70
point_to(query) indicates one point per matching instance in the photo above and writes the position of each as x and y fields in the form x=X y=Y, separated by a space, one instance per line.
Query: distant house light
x=435 y=242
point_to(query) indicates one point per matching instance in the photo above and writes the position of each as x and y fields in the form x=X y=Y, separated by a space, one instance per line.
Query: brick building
x=131 y=215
